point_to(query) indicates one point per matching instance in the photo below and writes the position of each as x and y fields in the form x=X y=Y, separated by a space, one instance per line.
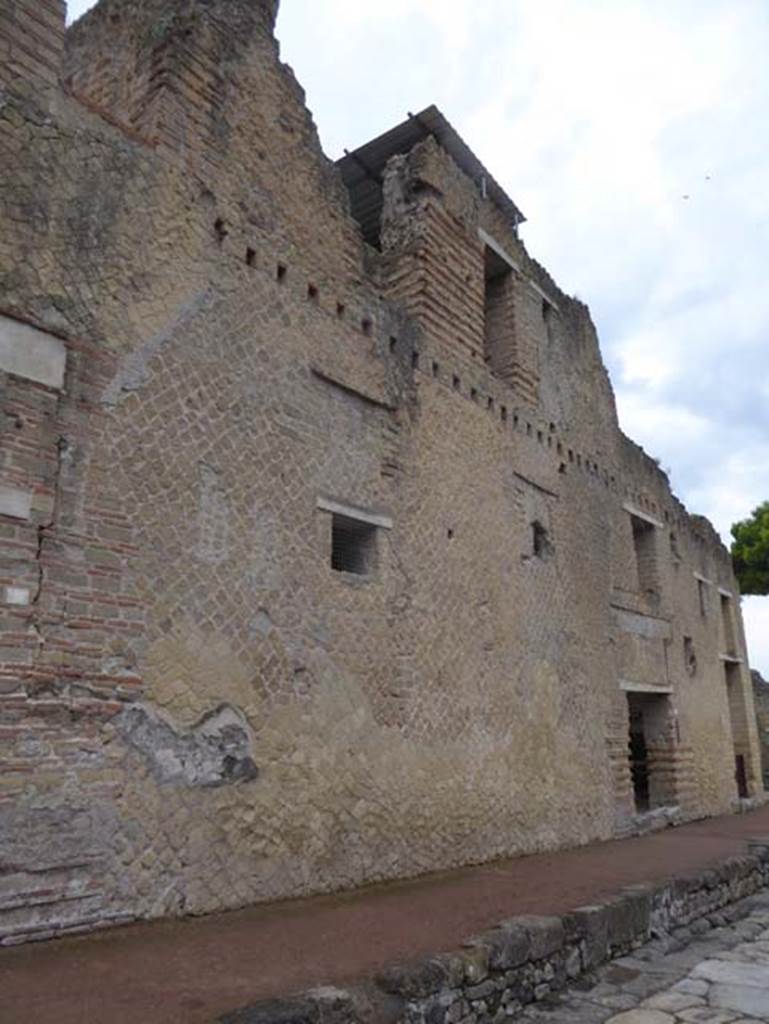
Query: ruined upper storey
x=448 y=250
x=31 y=44
x=164 y=68
x=363 y=170
x=231 y=161
x=198 y=88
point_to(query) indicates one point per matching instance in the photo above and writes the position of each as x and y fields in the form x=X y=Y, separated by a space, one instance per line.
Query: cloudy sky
x=634 y=134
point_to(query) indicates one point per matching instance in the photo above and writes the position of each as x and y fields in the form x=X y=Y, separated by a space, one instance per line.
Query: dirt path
x=189 y=971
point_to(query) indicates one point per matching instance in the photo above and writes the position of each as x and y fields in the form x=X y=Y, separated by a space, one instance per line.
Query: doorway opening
x=651 y=751
x=639 y=760
x=738 y=721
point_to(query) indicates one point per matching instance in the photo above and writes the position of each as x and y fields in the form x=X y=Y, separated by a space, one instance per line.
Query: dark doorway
x=639 y=761
x=741 y=776
x=651 y=750
x=738 y=718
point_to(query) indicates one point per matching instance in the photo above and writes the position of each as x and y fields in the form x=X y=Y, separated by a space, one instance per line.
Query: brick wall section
x=435 y=265
x=439 y=279
x=31 y=43
x=499 y=327
x=529 y=336
x=167 y=82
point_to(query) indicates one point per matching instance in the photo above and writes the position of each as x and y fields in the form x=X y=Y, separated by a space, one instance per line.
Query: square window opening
x=353 y=545
x=541 y=544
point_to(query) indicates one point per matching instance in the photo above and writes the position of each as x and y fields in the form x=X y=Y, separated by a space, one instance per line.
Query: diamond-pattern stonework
x=197 y=710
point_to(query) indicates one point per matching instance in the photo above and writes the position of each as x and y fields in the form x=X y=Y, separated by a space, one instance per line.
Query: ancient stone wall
x=298 y=592
x=761 y=703
x=31 y=44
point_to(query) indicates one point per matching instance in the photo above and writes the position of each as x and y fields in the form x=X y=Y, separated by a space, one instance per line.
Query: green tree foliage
x=750 y=551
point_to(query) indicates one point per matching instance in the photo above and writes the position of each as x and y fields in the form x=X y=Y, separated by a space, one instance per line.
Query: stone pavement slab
x=643 y=1017
x=713 y=990
x=732 y=973
x=747 y=999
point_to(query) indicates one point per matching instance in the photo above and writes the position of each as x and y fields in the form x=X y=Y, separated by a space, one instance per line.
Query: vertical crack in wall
x=62 y=447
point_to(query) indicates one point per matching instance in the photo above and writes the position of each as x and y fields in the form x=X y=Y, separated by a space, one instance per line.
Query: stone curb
x=523 y=960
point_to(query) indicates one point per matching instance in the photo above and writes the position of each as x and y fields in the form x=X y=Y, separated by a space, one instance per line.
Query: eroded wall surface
x=761 y=703
x=201 y=361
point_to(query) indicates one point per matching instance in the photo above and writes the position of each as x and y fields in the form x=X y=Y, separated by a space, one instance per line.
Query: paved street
x=719 y=977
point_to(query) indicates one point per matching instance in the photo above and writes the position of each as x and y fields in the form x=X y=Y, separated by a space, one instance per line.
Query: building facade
x=325 y=560
x=761 y=704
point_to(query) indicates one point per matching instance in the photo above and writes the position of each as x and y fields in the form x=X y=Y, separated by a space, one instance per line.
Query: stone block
x=333 y=1006
x=15 y=595
x=759 y=847
x=682 y=885
x=546 y=935
x=509 y=945
x=591 y=923
x=629 y=917
x=28 y=352
x=481 y=991
x=15 y=502
x=418 y=979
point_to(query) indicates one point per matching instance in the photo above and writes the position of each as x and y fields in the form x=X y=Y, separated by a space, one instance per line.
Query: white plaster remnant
x=640 y=514
x=15 y=502
x=642 y=625
x=354 y=512
x=28 y=352
x=216 y=751
x=631 y=686
x=15 y=595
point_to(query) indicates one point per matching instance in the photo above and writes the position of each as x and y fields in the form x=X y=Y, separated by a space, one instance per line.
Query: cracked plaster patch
x=216 y=751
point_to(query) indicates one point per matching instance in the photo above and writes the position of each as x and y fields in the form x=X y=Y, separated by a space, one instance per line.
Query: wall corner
x=32 y=45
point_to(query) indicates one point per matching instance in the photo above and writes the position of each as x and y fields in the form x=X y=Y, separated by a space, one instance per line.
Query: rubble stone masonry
x=323 y=562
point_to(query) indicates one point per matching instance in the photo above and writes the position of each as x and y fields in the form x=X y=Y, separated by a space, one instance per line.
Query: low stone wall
x=525 y=959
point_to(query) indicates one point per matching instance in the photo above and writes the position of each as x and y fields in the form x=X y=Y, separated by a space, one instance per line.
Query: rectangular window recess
x=352 y=512
x=640 y=514
x=353 y=545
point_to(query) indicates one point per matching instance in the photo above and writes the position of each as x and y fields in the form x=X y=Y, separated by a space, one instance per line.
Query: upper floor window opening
x=497 y=311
